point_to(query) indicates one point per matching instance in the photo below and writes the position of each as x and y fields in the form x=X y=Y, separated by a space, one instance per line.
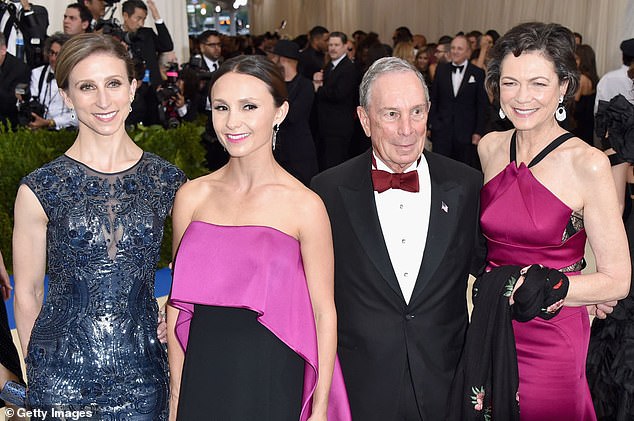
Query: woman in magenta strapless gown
x=545 y=191
x=251 y=317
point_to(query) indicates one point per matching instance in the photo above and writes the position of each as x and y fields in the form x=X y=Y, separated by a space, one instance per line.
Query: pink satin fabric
x=523 y=223
x=258 y=268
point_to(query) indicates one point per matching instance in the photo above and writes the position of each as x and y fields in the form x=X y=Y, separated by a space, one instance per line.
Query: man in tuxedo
x=313 y=58
x=12 y=72
x=335 y=98
x=405 y=232
x=458 y=105
x=25 y=24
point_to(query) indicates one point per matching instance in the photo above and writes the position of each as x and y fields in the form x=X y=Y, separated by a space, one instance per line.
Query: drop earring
x=560 y=114
x=276 y=128
x=72 y=114
x=501 y=114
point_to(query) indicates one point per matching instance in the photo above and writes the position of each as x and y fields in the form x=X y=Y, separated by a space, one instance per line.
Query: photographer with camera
x=24 y=27
x=178 y=95
x=12 y=72
x=97 y=9
x=53 y=114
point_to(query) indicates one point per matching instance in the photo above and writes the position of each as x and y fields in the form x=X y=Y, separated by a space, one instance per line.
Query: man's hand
x=39 y=122
x=153 y=9
x=602 y=310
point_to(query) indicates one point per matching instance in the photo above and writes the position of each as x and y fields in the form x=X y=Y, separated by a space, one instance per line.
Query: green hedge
x=23 y=151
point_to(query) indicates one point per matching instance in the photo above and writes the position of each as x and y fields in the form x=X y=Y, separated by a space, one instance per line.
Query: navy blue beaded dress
x=94 y=344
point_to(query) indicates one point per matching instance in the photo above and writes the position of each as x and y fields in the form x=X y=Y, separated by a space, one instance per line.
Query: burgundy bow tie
x=383 y=180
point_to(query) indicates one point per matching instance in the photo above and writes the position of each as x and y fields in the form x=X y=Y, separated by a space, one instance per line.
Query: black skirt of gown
x=610 y=364
x=236 y=369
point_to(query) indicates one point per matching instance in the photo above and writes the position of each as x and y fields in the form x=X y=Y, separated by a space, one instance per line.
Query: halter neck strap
x=542 y=154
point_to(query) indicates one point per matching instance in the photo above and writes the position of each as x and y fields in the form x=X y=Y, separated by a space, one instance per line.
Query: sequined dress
x=94 y=344
x=524 y=224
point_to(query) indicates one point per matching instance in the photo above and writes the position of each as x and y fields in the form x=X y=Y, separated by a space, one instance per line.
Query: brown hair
x=555 y=42
x=82 y=46
x=259 y=67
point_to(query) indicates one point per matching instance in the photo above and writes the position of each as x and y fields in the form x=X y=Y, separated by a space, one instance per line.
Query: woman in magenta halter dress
x=551 y=353
x=544 y=191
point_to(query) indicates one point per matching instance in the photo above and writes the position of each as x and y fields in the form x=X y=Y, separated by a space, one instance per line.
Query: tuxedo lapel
x=465 y=79
x=358 y=201
x=442 y=223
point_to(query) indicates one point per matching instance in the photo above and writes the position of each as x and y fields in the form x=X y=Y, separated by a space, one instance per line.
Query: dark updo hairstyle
x=259 y=67
x=82 y=46
x=555 y=42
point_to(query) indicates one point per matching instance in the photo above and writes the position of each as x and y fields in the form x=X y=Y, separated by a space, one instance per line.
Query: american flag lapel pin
x=444 y=207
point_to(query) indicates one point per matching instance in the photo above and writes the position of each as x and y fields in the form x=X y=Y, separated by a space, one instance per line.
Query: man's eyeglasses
x=212 y=44
x=52 y=53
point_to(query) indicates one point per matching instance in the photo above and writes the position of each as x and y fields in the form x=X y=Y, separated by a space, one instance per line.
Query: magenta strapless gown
x=524 y=223
x=257 y=268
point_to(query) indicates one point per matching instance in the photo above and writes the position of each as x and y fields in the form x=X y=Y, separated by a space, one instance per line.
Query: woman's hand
x=602 y=310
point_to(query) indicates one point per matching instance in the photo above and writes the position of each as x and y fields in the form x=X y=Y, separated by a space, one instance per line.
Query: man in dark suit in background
x=458 y=106
x=12 y=72
x=313 y=58
x=406 y=235
x=25 y=24
x=145 y=45
x=336 y=99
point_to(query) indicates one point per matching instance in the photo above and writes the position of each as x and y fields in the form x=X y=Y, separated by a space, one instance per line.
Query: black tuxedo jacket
x=337 y=100
x=378 y=333
x=12 y=72
x=456 y=118
x=147 y=45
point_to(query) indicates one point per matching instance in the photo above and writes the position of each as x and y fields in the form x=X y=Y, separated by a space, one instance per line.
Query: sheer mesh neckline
x=131 y=168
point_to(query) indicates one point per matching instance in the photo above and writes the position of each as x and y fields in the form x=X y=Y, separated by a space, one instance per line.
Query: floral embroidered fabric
x=94 y=344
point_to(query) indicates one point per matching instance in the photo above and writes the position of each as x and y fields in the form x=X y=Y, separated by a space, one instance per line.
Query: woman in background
x=584 y=97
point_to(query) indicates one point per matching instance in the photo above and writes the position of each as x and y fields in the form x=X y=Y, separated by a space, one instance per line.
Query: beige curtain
x=603 y=23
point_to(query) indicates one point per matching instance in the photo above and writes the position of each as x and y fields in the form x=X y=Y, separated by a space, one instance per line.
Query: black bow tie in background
x=455 y=68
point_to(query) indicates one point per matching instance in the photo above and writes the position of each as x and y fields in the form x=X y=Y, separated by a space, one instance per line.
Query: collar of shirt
x=380 y=165
x=335 y=62
x=210 y=63
x=463 y=64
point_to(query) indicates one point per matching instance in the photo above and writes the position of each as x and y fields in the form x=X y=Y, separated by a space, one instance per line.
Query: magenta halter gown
x=524 y=224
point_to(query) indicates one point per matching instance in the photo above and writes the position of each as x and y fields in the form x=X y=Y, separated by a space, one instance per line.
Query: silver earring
x=276 y=128
x=501 y=114
x=560 y=114
x=72 y=114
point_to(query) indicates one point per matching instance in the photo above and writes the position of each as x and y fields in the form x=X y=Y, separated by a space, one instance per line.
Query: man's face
x=53 y=53
x=211 y=48
x=321 y=42
x=441 y=53
x=460 y=50
x=72 y=22
x=96 y=7
x=135 y=21
x=336 y=48
x=396 y=118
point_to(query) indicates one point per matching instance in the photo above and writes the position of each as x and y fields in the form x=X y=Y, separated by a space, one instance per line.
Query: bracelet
x=51 y=124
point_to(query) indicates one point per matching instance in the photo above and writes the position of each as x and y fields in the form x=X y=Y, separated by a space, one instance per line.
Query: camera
x=169 y=89
x=27 y=105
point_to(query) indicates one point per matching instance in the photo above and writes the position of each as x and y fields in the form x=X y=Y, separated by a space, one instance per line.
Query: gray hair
x=382 y=66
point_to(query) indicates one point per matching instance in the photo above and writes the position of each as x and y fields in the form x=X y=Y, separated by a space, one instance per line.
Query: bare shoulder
x=589 y=162
x=493 y=142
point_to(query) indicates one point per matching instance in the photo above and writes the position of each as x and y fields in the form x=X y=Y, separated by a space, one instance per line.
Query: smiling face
x=460 y=50
x=244 y=113
x=100 y=93
x=530 y=90
x=396 y=118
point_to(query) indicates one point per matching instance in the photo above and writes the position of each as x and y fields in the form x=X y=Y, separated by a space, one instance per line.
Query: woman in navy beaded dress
x=95 y=216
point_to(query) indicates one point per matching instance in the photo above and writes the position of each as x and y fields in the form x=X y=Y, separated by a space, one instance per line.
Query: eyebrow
x=92 y=81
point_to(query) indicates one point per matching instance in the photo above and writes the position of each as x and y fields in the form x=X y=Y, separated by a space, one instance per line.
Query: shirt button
x=403 y=241
x=409 y=316
x=401 y=206
x=405 y=274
